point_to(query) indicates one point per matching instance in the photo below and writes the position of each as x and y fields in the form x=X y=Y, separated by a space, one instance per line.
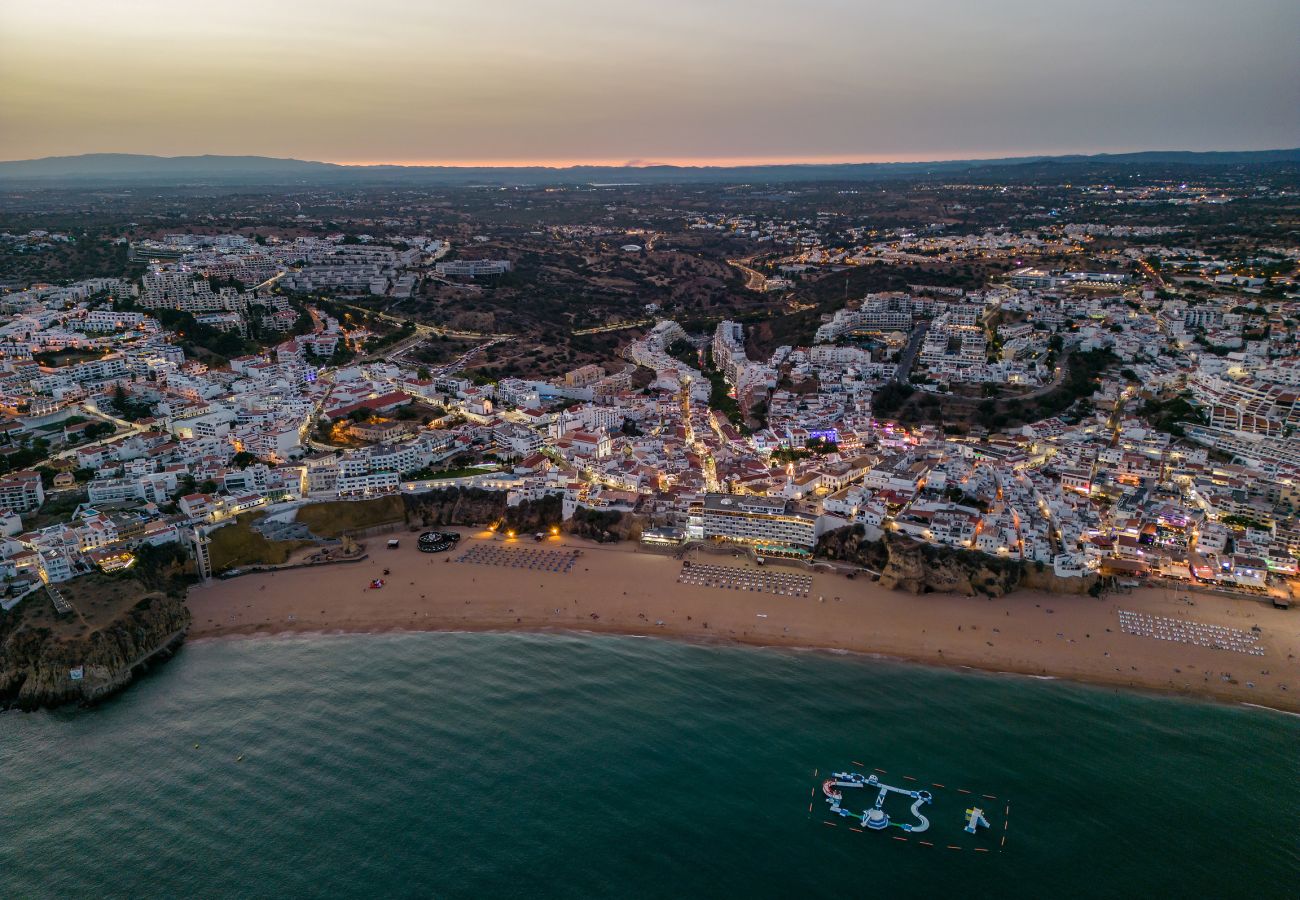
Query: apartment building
x=473 y=267
x=21 y=492
x=762 y=522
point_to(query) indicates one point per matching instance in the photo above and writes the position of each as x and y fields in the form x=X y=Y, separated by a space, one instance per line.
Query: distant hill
x=126 y=168
x=133 y=166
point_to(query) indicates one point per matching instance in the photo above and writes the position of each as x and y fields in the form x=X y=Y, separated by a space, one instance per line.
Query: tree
x=184 y=485
x=243 y=459
x=890 y=398
x=208 y=487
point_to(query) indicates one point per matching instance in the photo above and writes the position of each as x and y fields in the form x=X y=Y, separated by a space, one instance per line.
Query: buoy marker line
x=858 y=764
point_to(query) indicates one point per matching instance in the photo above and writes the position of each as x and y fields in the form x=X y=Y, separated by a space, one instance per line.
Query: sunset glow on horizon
x=507 y=82
x=848 y=159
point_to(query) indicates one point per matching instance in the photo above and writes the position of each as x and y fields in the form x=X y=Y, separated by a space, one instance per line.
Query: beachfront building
x=767 y=523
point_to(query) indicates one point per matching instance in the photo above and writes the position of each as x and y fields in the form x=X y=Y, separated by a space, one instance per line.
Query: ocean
x=526 y=765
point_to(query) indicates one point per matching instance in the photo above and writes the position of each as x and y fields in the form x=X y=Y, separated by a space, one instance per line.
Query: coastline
x=621 y=590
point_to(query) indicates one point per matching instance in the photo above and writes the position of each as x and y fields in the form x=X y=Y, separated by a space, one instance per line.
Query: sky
x=674 y=81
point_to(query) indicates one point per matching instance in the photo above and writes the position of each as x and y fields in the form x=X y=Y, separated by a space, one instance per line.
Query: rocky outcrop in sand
x=921 y=568
x=909 y=565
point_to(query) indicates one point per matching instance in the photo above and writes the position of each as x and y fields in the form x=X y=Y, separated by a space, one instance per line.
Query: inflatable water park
x=929 y=815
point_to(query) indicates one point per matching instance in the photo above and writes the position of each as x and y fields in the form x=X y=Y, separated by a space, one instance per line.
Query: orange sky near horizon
x=633 y=164
x=708 y=82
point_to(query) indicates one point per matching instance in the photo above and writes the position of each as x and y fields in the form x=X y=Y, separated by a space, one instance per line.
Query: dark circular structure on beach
x=436 y=541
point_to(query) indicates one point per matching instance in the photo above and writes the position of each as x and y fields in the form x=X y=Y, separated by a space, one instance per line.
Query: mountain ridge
x=164 y=170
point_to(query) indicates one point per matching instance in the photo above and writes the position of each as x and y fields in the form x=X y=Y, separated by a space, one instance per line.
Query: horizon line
x=676 y=161
x=812 y=160
x=681 y=161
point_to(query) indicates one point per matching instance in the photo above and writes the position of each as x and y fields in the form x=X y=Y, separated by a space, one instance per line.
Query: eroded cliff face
x=606 y=526
x=455 y=507
x=921 y=568
x=37 y=661
x=909 y=565
x=474 y=506
x=1048 y=580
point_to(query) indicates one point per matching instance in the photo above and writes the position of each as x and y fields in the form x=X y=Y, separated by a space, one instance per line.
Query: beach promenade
x=621 y=589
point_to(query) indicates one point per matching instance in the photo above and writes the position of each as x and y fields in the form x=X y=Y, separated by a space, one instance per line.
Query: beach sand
x=621 y=589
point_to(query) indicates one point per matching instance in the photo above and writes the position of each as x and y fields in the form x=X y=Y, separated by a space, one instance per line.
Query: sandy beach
x=621 y=589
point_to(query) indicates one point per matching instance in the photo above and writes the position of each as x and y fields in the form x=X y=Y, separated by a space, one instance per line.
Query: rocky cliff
x=40 y=655
x=909 y=565
x=474 y=506
x=604 y=525
x=921 y=568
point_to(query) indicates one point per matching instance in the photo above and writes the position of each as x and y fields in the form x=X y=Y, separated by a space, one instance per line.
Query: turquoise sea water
x=494 y=765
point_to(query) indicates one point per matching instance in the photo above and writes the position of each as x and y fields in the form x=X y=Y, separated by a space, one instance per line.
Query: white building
x=757 y=521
